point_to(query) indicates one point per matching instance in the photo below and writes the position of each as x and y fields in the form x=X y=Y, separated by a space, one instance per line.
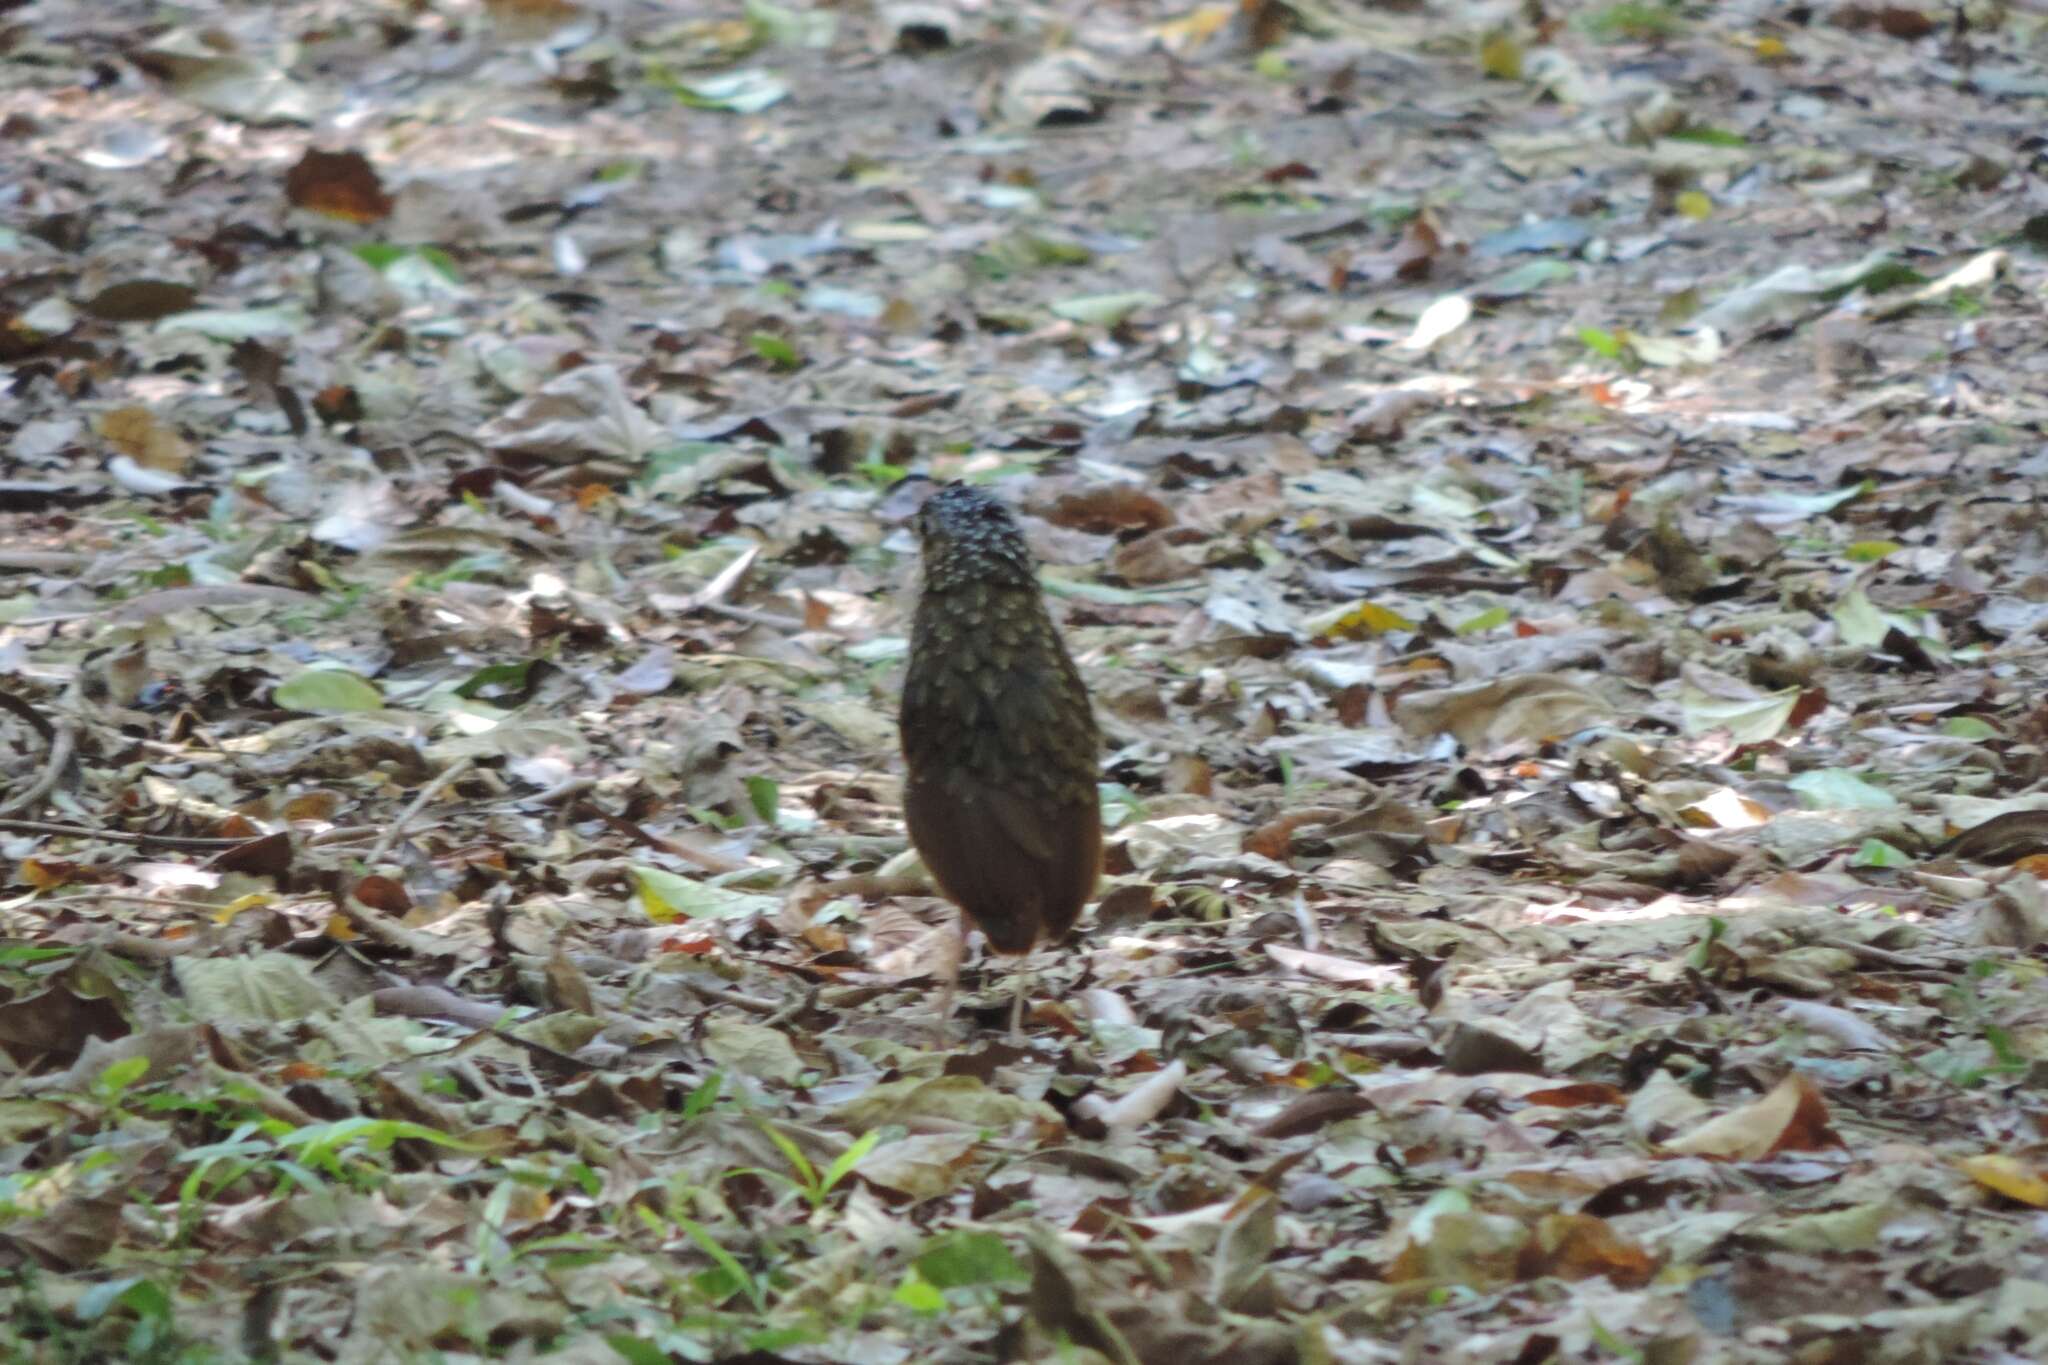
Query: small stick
x=718 y=995
x=389 y=839
x=754 y=617
x=61 y=748
x=168 y=902
x=120 y=836
x=342 y=834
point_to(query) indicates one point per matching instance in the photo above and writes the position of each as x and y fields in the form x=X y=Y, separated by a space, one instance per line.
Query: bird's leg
x=955 y=951
x=1020 y=980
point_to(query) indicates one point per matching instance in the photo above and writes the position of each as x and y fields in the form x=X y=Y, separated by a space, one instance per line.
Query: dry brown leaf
x=1793 y=1117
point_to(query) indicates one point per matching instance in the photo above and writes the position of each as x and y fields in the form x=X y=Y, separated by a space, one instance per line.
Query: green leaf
x=1120 y=805
x=634 y=1351
x=705 y=815
x=1748 y=720
x=2009 y=1058
x=316 y=1142
x=775 y=350
x=791 y=27
x=1878 y=853
x=1500 y=57
x=1357 y=620
x=764 y=794
x=1629 y=22
x=1862 y=623
x=420 y=278
x=704 y=1095
x=1709 y=137
x=1601 y=342
x=1104 y=310
x=144 y=1298
x=665 y=895
x=806 y=1173
x=747 y=91
x=918 y=1296
x=1492 y=619
x=21 y=954
x=120 y=1075
x=879 y=649
x=1884 y=278
x=881 y=472
x=1702 y=956
x=772 y=1339
x=1836 y=789
x=1613 y=1344
x=1053 y=251
x=1523 y=279
x=849 y=1159
x=724 y=1260
x=466 y=568
x=1968 y=727
x=327 y=692
x=962 y=1259
x=512 y=676
x=1870 y=551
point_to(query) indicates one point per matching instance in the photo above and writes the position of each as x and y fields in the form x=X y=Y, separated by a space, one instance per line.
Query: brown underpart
x=998 y=735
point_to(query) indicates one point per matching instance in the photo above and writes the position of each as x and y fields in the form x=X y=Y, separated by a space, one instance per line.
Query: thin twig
x=391 y=934
x=168 y=902
x=389 y=839
x=62 y=745
x=719 y=995
x=751 y=616
x=568 y=790
x=343 y=834
x=802 y=1003
x=121 y=836
x=716 y=863
x=122 y=944
x=362 y=917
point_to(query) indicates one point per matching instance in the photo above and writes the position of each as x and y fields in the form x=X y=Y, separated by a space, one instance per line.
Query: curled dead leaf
x=1139 y=1105
x=339 y=185
x=1793 y=1117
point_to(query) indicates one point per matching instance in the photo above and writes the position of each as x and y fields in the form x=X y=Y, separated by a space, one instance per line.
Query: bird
x=1000 y=746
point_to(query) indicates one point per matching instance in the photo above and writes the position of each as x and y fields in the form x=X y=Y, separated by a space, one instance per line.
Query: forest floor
x=1545 y=498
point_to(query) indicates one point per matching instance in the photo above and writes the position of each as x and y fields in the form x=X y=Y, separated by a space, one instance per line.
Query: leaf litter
x=1543 y=500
